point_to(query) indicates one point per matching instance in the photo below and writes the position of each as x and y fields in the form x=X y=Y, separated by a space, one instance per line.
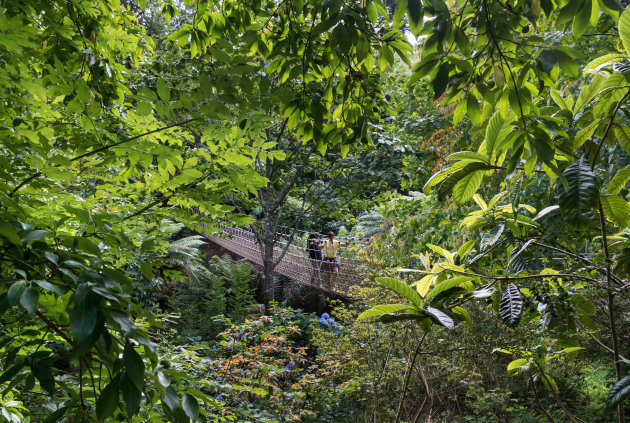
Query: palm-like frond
x=184 y=251
x=369 y=223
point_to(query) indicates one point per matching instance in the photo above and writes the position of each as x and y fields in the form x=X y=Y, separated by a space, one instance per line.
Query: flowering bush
x=266 y=369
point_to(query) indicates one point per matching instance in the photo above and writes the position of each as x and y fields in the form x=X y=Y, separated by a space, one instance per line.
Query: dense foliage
x=131 y=129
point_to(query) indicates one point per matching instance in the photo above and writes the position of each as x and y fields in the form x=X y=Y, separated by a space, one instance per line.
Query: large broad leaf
x=134 y=366
x=414 y=16
x=511 y=306
x=578 y=202
x=107 y=400
x=381 y=309
x=498 y=129
x=464 y=190
x=616 y=210
x=82 y=320
x=190 y=406
x=29 y=299
x=399 y=12
x=403 y=289
x=442 y=318
x=451 y=180
x=624 y=29
x=131 y=395
x=446 y=285
x=619 y=181
x=619 y=392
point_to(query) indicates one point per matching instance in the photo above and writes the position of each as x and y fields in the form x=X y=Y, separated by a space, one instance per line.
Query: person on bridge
x=314 y=247
x=331 y=248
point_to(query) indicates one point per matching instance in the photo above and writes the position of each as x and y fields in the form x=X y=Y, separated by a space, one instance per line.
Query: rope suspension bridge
x=296 y=263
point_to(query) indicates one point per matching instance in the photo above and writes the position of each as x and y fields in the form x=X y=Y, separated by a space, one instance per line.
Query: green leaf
x=443 y=174
x=10 y=373
x=7 y=231
x=517 y=366
x=44 y=375
x=473 y=109
x=464 y=190
x=619 y=181
x=82 y=320
x=170 y=399
x=568 y=11
x=190 y=406
x=134 y=366
x=163 y=379
x=567 y=63
x=399 y=12
x=29 y=299
x=511 y=305
x=144 y=108
x=585 y=134
x=440 y=82
x=559 y=100
x=446 y=285
x=362 y=48
x=35 y=235
x=578 y=202
x=382 y=309
x=442 y=318
x=107 y=400
x=414 y=16
x=147 y=270
x=623 y=137
x=613 y=5
x=582 y=304
x=49 y=287
x=581 y=20
x=88 y=246
x=498 y=129
x=372 y=12
x=616 y=210
x=403 y=289
x=131 y=395
x=624 y=29
x=15 y=292
x=460 y=313
x=163 y=90
x=465 y=249
x=451 y=180
x=468 y=155
x=56 y=416
x=619 y=392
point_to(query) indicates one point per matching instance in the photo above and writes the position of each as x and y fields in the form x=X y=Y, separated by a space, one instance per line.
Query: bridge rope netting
x=296 y=263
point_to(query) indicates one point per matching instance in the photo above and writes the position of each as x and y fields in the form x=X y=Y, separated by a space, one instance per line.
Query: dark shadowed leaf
x=134 y=366
x=578 y=202
x=131 y=395
x=107 y=400
x=511 y=305
x=619 y=392
x=190 y=406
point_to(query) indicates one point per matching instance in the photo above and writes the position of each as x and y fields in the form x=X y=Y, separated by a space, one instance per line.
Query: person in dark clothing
x=314 y=248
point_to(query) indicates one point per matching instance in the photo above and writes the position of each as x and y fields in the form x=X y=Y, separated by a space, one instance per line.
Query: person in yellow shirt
x=330 y=248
